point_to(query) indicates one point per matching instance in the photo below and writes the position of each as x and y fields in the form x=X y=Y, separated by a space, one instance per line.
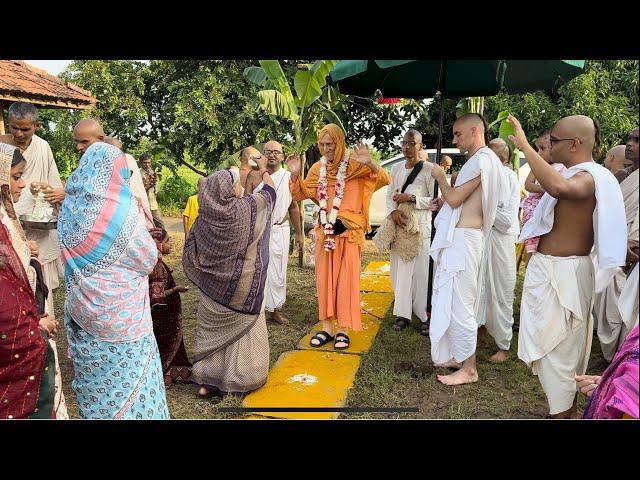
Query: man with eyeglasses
x=275 y=290
x=581 y=208
x=249 y=178
x=411 y=184
x=616 y=308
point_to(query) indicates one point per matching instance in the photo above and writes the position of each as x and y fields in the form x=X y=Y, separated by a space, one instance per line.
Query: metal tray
x=50 y=225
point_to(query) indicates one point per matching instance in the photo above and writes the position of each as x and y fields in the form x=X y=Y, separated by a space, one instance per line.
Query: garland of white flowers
x=323 y=195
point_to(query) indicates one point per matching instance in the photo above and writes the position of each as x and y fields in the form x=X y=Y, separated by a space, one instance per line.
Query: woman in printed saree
x=226 y=256
x=27 y=365
x=166 y=312
x=342 y=183
x=108 y=256
x=614 y=395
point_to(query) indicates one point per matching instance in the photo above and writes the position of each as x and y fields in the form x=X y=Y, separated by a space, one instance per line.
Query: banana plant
x=313 y=101
x=312 y=97
x=470 y=105
x=504 y=130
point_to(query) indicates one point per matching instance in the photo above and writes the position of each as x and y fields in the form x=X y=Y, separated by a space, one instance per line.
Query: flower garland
x=323 y=195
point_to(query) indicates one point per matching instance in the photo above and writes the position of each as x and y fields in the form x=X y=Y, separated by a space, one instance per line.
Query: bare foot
x=203 y=392
x=500 y=356
x=450 y=364
x=483 y=337
x=278 y=318
x=460 y=377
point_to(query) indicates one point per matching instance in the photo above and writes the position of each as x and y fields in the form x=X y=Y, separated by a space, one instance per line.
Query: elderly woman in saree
x=226 y=256
x=341 y=183
x=27 y=363
x=108 y=256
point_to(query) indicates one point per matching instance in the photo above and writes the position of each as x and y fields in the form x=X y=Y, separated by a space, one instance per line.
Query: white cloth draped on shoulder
x=610 y=228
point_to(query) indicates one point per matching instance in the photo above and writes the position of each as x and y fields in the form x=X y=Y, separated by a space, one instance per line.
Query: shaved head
x=614 y=159
x=469 y=133
x=580 y=127
x=501 y=149
x=446 y=163
x=274 y=152
x=86 y=133
x=472 y=120
x=415 y=134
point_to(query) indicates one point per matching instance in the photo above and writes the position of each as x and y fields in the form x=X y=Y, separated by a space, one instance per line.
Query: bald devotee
x=613 y=328
x=446 y=163
x=465 y=220
x=581 y=209
x=342 y=182
x=41 y=174
x=249 y=178
x=135 y=182
x=412 y=184
x=498 y=271
x=275 y=291
x=614 y=160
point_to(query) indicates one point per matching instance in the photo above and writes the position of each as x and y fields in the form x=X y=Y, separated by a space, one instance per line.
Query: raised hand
x=519 y=139
x=362 y=154
x=293 y=163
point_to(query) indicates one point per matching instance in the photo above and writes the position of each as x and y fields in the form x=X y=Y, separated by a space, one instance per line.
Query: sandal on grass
x=322 y=338
x=341 y=338
x=424 y=329
x=401 y=324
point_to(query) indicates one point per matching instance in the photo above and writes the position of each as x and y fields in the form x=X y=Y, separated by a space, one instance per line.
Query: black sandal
x=424 y=329
x=341 y=338
x=323 y=337
x=401 y=324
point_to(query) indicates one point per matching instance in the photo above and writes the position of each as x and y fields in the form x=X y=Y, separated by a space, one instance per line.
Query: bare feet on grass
x=460 y=377
x=450 y=364
x=500 y=356
x=278 y=318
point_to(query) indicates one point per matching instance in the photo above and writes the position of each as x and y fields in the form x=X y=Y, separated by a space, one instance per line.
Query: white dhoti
x=410 y=280
x=611 y=330
x=628 y=303
x=556 y=324
x=495 y=303
x=275 y=290
x=453 y=330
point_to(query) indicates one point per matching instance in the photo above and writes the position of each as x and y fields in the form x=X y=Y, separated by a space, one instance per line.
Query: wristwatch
x=413 y=198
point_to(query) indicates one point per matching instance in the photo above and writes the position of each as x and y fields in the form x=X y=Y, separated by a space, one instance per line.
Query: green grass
x=396 y=372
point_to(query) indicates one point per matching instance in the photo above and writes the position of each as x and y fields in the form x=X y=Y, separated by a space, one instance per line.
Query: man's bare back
x=471 y=215
x=572 y=232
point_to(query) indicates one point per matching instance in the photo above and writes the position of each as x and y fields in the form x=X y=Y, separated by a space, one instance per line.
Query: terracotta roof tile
x=20 y=81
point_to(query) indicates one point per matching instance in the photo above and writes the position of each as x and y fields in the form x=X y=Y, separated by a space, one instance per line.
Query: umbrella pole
x=443 y=72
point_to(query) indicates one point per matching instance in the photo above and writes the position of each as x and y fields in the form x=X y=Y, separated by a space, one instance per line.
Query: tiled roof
x=20 y=81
